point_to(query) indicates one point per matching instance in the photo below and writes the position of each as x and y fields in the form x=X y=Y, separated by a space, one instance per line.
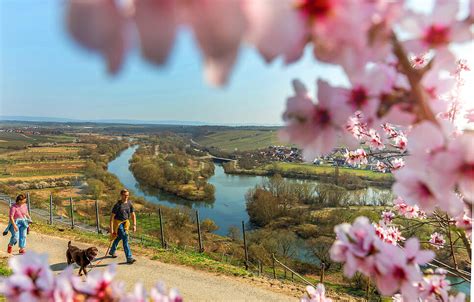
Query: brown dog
x=81 y=257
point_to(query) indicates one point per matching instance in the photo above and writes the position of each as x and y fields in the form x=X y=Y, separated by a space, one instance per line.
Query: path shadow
x=98 y=265
x=123 y=263
x=58 y=266
x=101 y=258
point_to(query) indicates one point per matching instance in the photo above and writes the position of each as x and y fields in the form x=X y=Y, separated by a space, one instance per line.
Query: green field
x=240 y=140
x=315 y=170
x=13 y=140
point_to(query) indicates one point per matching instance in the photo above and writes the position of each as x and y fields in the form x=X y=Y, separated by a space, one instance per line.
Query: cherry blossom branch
x=466 y=243
x=451 y=246
x=414 y=77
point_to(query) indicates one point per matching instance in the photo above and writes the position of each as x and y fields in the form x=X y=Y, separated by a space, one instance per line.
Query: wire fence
x=153 y=230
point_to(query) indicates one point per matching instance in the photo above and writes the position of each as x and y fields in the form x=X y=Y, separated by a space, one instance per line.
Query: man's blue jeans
x=121 y=235
x=19 y=236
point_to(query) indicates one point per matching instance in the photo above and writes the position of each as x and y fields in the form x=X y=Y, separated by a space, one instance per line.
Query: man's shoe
x=113 y=255
x=9 y=249
x=131 y=261
x=22 y=251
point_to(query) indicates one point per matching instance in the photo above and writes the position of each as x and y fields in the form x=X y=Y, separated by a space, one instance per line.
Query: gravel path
x=194 y=285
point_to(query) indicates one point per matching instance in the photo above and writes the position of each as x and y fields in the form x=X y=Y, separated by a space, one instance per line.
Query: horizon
x=42 y=119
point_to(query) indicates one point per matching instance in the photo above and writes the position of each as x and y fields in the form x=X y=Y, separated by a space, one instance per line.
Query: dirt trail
x=193 y=285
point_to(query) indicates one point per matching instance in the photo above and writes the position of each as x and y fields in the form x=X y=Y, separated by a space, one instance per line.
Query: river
x=227 y=210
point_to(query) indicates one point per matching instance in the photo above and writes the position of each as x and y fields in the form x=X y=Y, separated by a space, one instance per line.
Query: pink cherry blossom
x=355 y=245
x=315 y=127
x=159 y=293
x=97 y=284
x=276 y=28
x=397 y=163
x=390 y=130
x=425 y=140
x=460 y=297
x=357 y=126
x=434 y=286
x=138 y=294
x=458 y=161
x=437 y=30
x=437 y=240
x=408 y=211
x=426 y=191
x=218 y=28
x=63 y=289
x=388 y=234
x=401 y=142
x=356 y=157
x=375 y=140
x=32 y=279
x=367 y=27
x=464 y=221
x=397 y=298
x=387 y=216
x=381 y=167
x=393 y=272
x=419 y=61
x=99 y=26
x=317 y=294
x=416 y=256
x=157 y=23
x=436 y=87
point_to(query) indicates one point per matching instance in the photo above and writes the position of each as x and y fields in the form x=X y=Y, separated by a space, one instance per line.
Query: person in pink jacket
x=19 y=220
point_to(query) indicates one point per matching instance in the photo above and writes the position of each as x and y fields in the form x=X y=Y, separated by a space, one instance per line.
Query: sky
x=43 y=73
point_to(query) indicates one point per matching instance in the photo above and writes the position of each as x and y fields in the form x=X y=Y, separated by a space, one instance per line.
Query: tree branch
x=414 y=78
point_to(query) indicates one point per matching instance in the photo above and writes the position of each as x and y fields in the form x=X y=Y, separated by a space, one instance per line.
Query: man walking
x=120 y=225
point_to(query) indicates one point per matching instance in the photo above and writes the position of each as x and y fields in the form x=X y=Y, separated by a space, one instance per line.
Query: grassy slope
x=243 y=140
x=4 y=269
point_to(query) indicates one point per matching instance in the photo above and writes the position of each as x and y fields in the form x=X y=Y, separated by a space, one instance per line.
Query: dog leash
x=98 y=262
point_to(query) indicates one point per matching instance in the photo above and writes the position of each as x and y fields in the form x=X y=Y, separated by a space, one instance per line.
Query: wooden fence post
x=162 y=232
x=245 y=247
x=28 y=203
x=273 y=266
x=72 y=212
x=368 y=289
x=50 y=208
x=201 y=248
x=97 y=216
x=323 y=267
x=259 y=266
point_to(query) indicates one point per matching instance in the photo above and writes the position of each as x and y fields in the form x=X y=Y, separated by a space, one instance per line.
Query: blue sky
x=43 y=73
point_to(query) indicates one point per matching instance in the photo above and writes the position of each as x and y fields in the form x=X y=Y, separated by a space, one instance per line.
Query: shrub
x=207 y=225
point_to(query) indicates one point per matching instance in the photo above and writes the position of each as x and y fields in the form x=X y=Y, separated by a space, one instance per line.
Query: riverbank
x=162 y=164
x=351 y=179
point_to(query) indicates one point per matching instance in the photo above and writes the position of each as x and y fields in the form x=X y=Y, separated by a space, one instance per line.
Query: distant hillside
x=105 y=121
x=239 y=139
